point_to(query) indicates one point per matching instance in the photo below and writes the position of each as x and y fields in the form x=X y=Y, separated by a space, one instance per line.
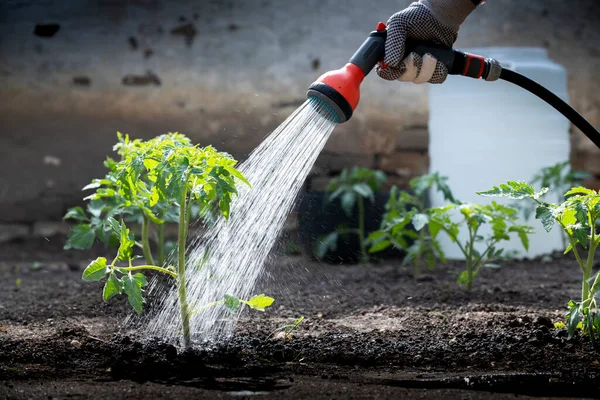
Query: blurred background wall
x=74 y=72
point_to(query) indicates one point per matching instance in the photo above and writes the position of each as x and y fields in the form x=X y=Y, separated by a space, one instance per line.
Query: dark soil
x=369 y=332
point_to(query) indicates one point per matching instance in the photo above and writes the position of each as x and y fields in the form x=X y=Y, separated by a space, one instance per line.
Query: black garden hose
x=489 y=69
x=559 y=104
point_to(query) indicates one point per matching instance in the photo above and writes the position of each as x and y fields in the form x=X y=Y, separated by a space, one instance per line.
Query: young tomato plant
x=161 y=179
x=134 y=203
x=472 y=217
x=558 y=178
x=578 y=216
x=352 y=188
x=404 y=209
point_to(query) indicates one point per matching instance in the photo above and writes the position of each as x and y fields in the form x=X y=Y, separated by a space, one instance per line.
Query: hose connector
x=494 y=69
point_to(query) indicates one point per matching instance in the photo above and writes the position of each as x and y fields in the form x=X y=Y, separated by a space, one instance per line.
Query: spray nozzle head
x=337 y=92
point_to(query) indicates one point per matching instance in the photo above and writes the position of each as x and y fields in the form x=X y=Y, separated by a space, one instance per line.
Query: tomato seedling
x=404 y=209
x=352 y=187
x=158 y=181
x=578 y=217
x=502 y=220
x=558 y=178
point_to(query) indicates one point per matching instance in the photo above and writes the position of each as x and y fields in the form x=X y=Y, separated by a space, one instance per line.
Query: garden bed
x=369 y=332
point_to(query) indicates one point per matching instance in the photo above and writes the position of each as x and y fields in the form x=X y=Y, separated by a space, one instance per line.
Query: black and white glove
x=434 y=21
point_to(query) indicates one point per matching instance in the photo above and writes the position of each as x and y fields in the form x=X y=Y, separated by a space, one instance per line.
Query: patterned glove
x=434 y=21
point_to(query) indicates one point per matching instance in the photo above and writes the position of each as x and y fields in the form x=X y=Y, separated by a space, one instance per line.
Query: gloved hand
x=434 y=21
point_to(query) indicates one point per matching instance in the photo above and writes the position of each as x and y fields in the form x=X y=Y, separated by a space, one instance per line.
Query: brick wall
x=226 y=72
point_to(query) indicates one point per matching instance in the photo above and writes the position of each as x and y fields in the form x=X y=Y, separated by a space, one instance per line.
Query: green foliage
x=293 y=248
x=405 y=209
x=96 y=270
x=233 y=304
x=558 y=178
x=578 y=216
x=165 y=179
x=352 y=187
x=146 y=184
x=472 y=217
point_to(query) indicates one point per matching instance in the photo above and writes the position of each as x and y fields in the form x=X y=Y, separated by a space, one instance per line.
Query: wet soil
x=370 y=332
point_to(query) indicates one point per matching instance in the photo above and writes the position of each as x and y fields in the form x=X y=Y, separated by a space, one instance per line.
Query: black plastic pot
x=317 y=218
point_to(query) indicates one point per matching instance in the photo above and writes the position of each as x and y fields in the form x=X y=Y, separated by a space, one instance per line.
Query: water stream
x=238 y=248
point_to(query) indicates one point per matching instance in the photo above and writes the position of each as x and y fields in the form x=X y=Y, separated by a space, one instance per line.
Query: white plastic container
x=486 y=133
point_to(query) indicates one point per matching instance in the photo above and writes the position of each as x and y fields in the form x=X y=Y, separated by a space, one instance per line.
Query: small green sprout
x=578 y=216
x=502 y=220
x=405 y=209
x=352 y=188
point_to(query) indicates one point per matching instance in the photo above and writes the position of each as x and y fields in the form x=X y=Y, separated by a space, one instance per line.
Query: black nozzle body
x=458 y=62
x=370 y=52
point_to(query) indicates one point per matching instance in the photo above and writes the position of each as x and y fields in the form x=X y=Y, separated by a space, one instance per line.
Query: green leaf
x=77 y=214
x=573 y=317
x=231 y=303
x=580 y=233
x=224 y=206
x=133 y=289
x=81 y=237
x=580 y=190
x=348 y=200
x=434 y=228
x=335 y=194
x=127 y=242
x=94 y=185
x=150 y=163
x=96 y=270
x=515 y=190
x=113 y=287
x=380 y=246
x=95 y=207
x=154 y=197
x=544 y=214
x=326 y=244
x=419 y=221
x=437 y=249
x=568 y=249
x=522 y=231
x=238 y=175
x=113 y=225
x=363 y=190
x=463 y=278
x=260 y=302
x=373 y=236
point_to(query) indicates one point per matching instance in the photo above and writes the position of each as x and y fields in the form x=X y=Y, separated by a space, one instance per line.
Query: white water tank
x=483 y=133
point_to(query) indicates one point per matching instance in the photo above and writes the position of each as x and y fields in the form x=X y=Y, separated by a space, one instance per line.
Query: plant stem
x=188 y=216
x=479 y=262
x=146 y=242
x=161 y=243
x=585 y=286
x=576 y=252
x=361 y=229
x=470 y=265
x=420 y=246
x=152 y=267
x=181 y=285
x=214 y=303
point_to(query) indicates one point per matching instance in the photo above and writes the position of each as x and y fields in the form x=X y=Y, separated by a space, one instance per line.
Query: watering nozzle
x=335 y=94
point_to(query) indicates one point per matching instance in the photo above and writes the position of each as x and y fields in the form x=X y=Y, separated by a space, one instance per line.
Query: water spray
x=338 y=91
